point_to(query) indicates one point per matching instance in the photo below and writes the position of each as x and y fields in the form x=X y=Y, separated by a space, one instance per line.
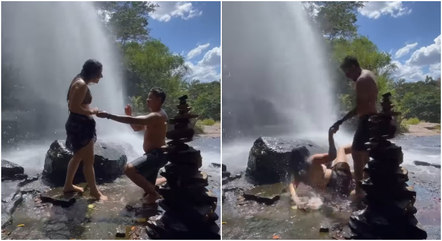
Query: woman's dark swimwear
x=340 y=180
x=80 y=130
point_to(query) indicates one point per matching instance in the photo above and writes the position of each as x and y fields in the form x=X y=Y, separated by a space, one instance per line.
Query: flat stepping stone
x=57 y=197
x=421 y=163
x=267 y=194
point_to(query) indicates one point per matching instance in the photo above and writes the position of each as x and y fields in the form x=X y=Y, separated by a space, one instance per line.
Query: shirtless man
x=366 y=96
x=144 y=170
x=314 y=172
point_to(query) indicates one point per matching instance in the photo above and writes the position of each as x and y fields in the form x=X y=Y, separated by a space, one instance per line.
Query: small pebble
x=323 y=229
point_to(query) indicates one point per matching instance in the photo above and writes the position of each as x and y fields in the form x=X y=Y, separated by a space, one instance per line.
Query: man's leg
x=360 y=159
x=142 y=182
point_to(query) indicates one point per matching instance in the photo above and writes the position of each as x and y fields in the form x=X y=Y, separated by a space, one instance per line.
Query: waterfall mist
x=44 y=45
x=275 y=72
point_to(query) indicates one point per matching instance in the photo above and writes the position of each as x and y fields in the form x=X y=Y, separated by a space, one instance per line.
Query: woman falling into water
x=80 y=128
x=314 y=172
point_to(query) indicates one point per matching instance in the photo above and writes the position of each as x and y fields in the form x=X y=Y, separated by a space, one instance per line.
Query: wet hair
x=349 y=61
x=300 y=164
x=159 y=93
x=91 y=69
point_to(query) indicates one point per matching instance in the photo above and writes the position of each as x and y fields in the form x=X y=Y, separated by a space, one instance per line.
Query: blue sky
x=409 y=32
x=191 y=29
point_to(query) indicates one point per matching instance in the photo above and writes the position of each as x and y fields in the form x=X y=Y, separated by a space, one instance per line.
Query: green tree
x=152 y=65
x=127 y=20
x=336 y=19
x=205 y=99
x=370 y=58
x=419 y=99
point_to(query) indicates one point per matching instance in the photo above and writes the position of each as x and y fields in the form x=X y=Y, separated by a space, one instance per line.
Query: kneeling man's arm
x=137 y=120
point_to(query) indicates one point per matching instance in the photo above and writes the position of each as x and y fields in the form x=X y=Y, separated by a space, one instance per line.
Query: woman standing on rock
x=80 y=128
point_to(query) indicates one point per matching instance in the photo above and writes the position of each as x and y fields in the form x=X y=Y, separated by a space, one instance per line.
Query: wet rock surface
x=85 y=218
x=248 y=219
x=12 y=171
x=271 y=159
x=109 y=162
x=89 y=219
x=421 y=163
x=267 y=194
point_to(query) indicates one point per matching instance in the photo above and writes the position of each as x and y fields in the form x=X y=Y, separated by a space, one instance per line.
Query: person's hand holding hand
x=335 y=126
x=94 y=110
x=333 y=129
x=128 y=110
x=102 y=114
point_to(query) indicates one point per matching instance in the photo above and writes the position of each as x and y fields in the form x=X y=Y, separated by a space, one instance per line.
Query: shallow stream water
x=245 y=219
x=87 y=219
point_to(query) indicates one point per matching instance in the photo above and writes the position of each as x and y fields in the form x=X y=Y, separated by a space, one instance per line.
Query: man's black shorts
x=362 y=134
x=150 y=163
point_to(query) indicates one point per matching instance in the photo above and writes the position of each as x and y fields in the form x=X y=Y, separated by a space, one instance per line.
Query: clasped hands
x=104 y=114
x=335 y=127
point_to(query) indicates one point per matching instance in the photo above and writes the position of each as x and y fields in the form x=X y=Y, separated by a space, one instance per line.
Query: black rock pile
x=189 y=207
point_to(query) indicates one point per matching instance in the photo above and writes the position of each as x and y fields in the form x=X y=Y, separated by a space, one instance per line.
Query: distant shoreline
x=424 y=129
x=212 y=131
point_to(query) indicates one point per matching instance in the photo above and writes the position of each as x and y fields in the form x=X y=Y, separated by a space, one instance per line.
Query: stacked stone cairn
x=389 y=211
x=189 y=208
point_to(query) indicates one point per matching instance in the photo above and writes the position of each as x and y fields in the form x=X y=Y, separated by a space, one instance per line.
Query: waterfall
x=44 y=45
x=276 y=78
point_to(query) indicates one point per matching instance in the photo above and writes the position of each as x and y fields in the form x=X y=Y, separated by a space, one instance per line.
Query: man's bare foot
x=73 y=188
x=357 y=197
x=160 y=181
x=99 y=196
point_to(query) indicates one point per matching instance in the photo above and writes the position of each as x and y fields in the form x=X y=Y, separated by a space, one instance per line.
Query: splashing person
x=366 y=96
x=80 y=128
x=144 y=170
x=313 y=172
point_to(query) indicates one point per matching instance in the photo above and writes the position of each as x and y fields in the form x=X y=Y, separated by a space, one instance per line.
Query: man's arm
x=349 y=115
x=137 y=120
x=128 y=111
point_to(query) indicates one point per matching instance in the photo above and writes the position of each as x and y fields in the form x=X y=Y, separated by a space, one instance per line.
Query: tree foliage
x=127 y=20
x=369 y=57
x=205 y=99
x=153 y=65
x=419 y=99
x=336 y=19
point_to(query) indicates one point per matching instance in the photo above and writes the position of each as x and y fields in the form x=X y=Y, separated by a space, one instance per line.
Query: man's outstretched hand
x=128 y=110
x=102 y=114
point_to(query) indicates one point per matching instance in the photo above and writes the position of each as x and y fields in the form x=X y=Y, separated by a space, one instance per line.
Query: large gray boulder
x=109 y=162
x=272 y=159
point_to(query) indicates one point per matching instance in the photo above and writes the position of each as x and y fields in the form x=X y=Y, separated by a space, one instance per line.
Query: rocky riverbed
x=245 y=218
x=26 y=216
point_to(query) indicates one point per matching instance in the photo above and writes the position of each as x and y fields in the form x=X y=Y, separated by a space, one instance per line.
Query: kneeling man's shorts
x=150 y=163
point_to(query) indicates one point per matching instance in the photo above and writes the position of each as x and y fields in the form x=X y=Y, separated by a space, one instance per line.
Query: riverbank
x=424 y=129
x=212 y=130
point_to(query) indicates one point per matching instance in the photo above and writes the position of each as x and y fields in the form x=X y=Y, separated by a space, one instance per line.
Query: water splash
x=275 y=71
x=46 y=44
